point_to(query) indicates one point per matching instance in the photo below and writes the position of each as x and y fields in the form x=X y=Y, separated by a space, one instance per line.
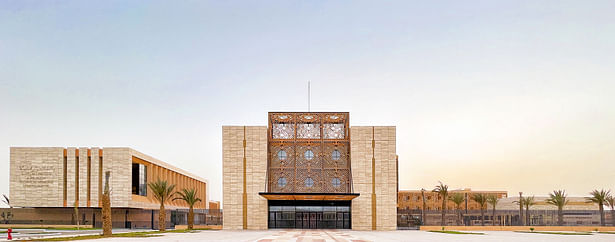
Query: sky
x=488 y=95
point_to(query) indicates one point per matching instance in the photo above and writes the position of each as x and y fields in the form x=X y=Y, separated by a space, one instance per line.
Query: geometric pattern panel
x=309 y=153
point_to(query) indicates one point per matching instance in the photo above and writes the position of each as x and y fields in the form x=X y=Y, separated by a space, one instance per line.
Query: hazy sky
x=516 y=96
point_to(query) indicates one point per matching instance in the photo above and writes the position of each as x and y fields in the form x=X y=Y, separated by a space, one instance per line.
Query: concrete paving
x=360 y=236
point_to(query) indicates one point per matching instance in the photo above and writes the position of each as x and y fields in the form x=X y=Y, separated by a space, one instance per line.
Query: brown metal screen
x=309 y=153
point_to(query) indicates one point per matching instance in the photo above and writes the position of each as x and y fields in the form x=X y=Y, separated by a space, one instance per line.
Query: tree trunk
x=601 y=214
x=520 y=210
x=482 y=216
x=442 y=223
x=613 y=216
x=458 y=216
x=527 y=217
x=191 y=218
x=493 y=218
x=162 y=215
x=560 y=216
x=106 y=215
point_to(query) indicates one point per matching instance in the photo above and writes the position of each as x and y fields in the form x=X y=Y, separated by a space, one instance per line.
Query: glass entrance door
x=309 y=215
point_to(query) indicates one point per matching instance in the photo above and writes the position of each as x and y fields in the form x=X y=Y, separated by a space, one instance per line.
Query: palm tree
x=611 y=202
x=424 y=217
x=599 y=197
x=457 y=199
x=558 y=198
x=442 y=190
x=6 y=200
x=163 y=192
x=189 y=196
x=528 y=202
x=106 y=207
x=493 y=200
x=520 y=208
x=481 y=199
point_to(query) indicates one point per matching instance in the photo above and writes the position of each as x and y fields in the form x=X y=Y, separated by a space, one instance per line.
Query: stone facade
x=377 y=143
x=383 y=152
x=255 y=155
x=37 y=177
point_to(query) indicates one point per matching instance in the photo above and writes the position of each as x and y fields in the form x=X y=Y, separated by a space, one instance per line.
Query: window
x=139 y=179
x=309 y=182
x=335 y=155
x=309 y=155
x=336 y=182
x=282 y=155
x=282 y=182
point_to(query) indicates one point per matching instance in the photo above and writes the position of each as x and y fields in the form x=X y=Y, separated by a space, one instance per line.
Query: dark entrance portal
x=309 y=214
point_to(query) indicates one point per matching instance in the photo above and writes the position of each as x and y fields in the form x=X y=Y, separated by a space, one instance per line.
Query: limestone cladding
x=83 y=177
x=118 y=161
x=256 y=175
x=34 y=178
x=232 y=179
x=386 y=178
x=361 y=167
x=384 y=153
x=71 y=168
x=94 y=178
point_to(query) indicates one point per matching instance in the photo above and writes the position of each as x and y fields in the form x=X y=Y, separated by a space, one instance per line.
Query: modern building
x=48 y=182
x=309 y=170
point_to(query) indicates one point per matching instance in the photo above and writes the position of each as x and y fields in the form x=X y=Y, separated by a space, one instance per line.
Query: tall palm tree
x=599 y=197
x=493 y=200
x=481 y=199
x=457 y=199
x=611 y=202
x=189 y=196
x=163 y=192
x=527 y=203
x=424 y=217
x=558 y=198
x=442 y=190
x=6 y=200
x=520 y=208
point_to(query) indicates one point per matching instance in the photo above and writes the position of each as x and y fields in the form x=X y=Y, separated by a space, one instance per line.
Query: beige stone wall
x=94 y=178
x=384 y=153
x=232 y=176
x=34 y=179
x=70 y=176
x=256 y=175
x=386 y=178
x=361 y=166
x=119 y=162
x=83 y=177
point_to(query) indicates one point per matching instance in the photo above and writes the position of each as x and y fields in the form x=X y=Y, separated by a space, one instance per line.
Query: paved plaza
x=358 y=236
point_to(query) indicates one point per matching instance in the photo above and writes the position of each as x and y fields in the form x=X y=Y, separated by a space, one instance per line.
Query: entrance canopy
x=310 y=196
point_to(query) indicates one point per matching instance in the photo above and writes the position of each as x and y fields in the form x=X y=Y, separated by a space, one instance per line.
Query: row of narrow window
x=309 y=155
x=309 y=182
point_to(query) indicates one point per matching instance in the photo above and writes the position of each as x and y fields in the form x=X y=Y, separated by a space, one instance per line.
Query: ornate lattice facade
x=308 y=153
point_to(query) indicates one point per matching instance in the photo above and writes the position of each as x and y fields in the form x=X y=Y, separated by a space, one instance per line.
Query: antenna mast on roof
x=308 y=96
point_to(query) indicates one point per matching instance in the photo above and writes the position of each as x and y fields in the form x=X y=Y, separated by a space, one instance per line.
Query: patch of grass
x=606 y=232
x=559 y=233
x=452 y=232
x=119 y=235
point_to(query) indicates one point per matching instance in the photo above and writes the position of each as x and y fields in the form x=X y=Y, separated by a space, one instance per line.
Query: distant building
x=412 y=199
x=578 y=212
